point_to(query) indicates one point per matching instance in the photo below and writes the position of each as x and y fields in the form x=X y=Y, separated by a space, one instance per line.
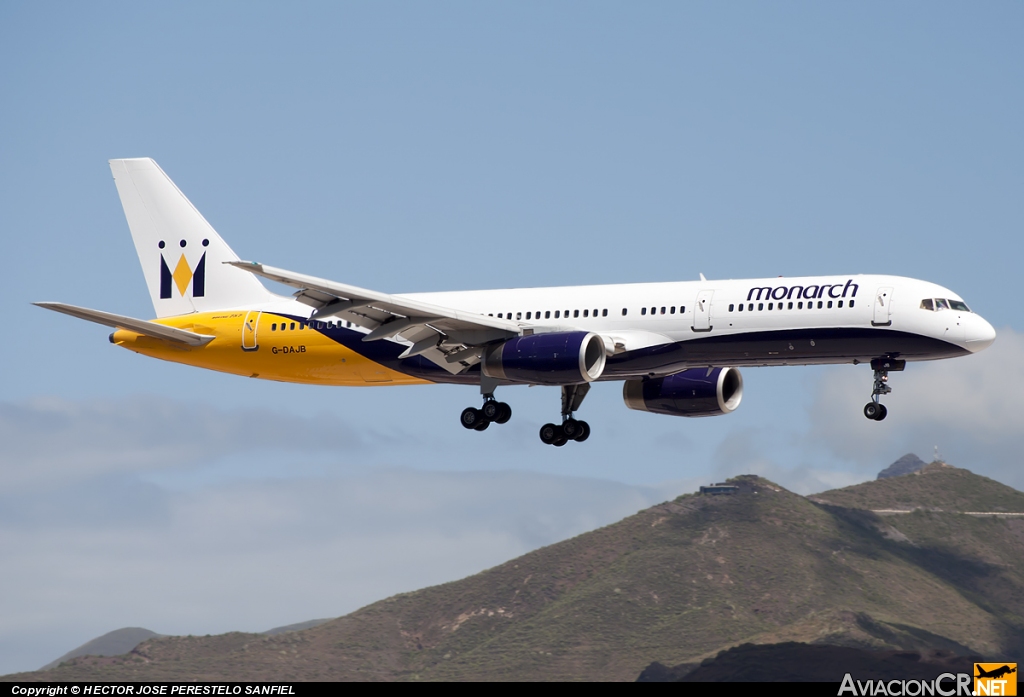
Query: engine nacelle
x=559 y=358
x=693 y=392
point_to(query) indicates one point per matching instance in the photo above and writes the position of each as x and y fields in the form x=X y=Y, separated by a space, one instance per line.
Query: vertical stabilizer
x=181 y=254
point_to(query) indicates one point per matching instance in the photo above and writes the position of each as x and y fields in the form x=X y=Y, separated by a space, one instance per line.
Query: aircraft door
x=882 y=315
x=249 y=326
x=702 y=311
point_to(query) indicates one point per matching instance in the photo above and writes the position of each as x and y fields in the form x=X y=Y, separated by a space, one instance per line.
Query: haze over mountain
x=676 y=583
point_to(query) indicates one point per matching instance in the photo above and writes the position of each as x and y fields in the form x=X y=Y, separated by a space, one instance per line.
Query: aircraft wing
x=141 y=326
x=450 y=338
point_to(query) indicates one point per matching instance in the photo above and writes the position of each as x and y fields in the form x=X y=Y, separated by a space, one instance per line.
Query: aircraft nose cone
x=980 y=334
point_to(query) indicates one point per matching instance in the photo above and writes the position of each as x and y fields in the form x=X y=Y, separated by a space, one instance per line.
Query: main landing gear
x=874 y=409
x=492 y=411
x=570 y=429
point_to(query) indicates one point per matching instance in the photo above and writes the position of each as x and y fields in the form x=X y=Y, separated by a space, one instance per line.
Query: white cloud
x=972 y=408
x=93 y=540
x=50 y=439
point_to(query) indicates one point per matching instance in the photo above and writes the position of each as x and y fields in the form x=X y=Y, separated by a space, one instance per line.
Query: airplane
x=677 y=347
x=995 y=672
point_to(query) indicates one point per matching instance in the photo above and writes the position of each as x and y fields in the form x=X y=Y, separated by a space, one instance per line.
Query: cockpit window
x=941 y=304
x=959 y=305
x=927 y=304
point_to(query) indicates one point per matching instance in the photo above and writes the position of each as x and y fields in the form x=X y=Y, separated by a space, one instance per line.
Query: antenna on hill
x=936 y=455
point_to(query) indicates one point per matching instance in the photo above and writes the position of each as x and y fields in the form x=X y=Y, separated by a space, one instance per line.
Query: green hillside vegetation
x=676 y=583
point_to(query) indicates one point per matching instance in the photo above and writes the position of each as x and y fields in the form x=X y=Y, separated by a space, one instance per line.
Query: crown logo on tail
x=182 y=275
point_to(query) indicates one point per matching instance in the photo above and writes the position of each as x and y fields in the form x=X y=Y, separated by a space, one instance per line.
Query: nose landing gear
x=874 y=409
x=570 y=428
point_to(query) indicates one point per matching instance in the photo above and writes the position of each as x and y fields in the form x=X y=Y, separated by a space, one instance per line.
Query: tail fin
x=181 y=254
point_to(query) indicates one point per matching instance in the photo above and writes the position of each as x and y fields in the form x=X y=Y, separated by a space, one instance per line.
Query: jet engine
x=558 y=358
x=694 y=392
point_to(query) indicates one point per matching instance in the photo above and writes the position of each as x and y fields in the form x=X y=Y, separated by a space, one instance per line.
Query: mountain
x=677 y=583
x=796 y=662
x=115 y=643
x=122 y=641
x=907 y=464
x=936 y=487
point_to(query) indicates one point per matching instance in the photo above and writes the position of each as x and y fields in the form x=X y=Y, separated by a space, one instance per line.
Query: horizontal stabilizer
x=141 y=326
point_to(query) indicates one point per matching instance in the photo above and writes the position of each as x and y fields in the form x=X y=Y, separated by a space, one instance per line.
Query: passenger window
x=830 y=304
x=840 y=304
x=595 y=313
x=519 y=315
x=604 y=312
x=557 y=313
x=750 y=307
x=643 y=310
x=623 y=312
x=547 y=314
x=731 y=307
x=682 y=309
x=819 y=304
x=654 y=310
x=575 y=313
x=292 y=326
x=790 y=306
x=586 y=313
x=273 y=327
x=499 y=316
x=771 y=306
x=672 y=310
x=662 y=310
x=800 y=306
x=760 y=306
x=851 y=303
x=741 y=307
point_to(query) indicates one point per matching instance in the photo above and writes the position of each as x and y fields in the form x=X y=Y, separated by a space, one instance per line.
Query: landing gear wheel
x=549 y=433
x=882 y=412
x=491 y=409
x=571 y=428
x=504 y=413
x=584 y=431
x=471 y=418
x=872 y=410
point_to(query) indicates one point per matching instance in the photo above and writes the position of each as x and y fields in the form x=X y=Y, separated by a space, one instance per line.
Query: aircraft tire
x=584 y=433
x=549 y=433
x=471 y=418
x=491 y=410
x=882 y=412
x=871 y=410
x=504 y=413
x=571 y=428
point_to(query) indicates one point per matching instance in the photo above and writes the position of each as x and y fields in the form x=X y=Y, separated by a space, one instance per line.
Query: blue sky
x=417 y=147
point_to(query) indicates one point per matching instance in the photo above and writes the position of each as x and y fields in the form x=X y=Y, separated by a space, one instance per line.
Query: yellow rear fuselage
x=244 y=345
